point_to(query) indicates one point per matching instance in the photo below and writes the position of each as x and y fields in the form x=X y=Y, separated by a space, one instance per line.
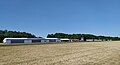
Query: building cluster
x=34 y=40
x=43 y=40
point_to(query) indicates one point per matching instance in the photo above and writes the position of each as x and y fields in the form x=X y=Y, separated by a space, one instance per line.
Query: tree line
x=79 y=36
x=18 y=34
x=14 y=34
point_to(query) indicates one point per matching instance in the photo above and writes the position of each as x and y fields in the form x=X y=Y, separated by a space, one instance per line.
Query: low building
x=23 y=40
x=97 y=40
x=93 y=40
x=30 y=40
x=53 y=39
x=75 y=40
x=89 y=40
x=65 y=40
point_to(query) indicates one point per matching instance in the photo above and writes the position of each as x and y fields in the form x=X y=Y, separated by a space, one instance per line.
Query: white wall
x=7 y=41
x=58 y=40
x=89 y=40
x=44 y=41
x=27 y=41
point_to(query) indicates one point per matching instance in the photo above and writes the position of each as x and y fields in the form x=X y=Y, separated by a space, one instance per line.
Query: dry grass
x=89 y=53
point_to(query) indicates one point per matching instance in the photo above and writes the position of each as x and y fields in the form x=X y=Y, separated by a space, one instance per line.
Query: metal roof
x=21 y=38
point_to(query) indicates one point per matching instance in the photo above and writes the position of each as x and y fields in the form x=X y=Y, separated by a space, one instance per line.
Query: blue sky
x=40 y=17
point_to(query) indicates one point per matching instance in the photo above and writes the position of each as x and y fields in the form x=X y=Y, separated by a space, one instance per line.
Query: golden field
x=82 y=53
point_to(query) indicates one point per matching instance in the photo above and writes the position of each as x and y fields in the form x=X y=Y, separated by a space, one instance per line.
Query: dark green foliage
x=78 y=36
x=14 y=34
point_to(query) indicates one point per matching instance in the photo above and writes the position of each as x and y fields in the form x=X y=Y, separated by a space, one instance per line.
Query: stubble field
x=82 y=53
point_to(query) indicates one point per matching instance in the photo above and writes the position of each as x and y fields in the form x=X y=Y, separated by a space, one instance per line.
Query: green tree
x=14 y=34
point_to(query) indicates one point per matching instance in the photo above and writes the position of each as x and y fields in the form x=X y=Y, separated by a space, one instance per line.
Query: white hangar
x=23 y=40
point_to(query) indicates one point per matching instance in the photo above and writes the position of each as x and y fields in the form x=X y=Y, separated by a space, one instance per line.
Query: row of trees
x=14 y=34
x=17 y=34
x=79 y=36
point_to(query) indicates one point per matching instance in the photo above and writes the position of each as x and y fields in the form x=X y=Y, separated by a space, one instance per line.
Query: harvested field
x=83 y=53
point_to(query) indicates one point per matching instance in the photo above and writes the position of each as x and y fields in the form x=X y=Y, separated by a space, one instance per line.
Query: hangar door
x=17 y=41
x=36 y=41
